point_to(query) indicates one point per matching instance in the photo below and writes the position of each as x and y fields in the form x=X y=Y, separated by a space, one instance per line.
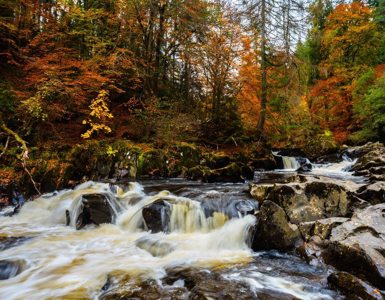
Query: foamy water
x=60 y=262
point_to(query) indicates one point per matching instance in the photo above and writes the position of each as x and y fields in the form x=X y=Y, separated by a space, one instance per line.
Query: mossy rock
x=184 y=154
x=216 y=161
x=152 y=163
x=198 y=172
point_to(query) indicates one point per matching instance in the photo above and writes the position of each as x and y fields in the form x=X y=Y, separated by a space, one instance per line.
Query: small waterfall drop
x=290 y=163
x=60 y=262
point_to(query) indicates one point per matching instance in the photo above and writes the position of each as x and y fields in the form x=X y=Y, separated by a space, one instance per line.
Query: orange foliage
x=248 y=100
x=331 y=105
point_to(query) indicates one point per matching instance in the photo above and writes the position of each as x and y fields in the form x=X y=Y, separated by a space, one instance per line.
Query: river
x=55 y=261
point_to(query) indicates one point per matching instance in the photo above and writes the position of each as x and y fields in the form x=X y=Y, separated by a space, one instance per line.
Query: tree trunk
x=262 y=113
x=159 y=44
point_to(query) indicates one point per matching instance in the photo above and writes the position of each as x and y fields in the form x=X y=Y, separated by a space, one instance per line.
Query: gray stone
x=273 y=230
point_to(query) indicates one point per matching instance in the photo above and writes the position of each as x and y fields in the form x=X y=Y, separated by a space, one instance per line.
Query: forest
x=192 y=149
x=212 y=74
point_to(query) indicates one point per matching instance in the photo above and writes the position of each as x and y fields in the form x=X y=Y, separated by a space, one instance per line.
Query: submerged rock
x=11 y=241
x=10 y=268
x=157 y=216
x=274 y=231
x=154 y=246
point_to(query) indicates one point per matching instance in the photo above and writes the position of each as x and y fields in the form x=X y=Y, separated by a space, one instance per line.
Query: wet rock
x=95 y=209
x=353 y=287
x=264 y=163
x=305 y=164
x=306 y=229
x=311 y=201
x=373 y=193
x=323 y=227
x=273 y=230
x=260 y=191
x=360 y=151
x=312 y=250
x=149 y=290
x=155 y=246
x=10 y=268
x=178 y=284
x=11 y=241
x=157 y=216
x=234 y=172
x=230 y=173
x=358 y=246
x=246 y=207
x=371 y=161
x=205 y=285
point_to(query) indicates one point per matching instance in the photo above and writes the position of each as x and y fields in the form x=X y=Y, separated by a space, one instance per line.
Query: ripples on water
x=60 y=262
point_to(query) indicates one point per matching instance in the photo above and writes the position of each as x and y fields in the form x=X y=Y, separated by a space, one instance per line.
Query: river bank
x=303 y=231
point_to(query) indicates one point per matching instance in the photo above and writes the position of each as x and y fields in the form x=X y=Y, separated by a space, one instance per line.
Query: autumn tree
x=350 y=41
x=276 y=26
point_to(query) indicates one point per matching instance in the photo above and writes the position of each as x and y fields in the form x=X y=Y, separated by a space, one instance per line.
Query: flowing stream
x=55 y=261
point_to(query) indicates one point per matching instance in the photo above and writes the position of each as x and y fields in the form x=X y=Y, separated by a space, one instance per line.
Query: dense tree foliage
x=216 y=71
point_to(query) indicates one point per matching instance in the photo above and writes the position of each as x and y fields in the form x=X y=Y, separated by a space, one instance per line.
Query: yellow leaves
x=350 y=32
x=99 y=115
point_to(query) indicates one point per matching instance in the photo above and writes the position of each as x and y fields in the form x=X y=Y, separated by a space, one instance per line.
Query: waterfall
x=60 y=262
x=64 y=262
x=290 y=163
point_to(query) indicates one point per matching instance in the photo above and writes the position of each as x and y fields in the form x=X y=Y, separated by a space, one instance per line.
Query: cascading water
x=60 y=262
x=340 y=170
x=290 y=163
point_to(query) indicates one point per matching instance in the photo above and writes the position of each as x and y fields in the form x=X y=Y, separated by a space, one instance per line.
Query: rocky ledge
x=333 y=222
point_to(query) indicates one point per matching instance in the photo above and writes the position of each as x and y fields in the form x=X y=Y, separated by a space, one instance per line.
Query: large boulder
x=360 y=151
x=373 y=193
x=94 y=209
x=274 y=231
x=305 y=202
x=358 y=246
x=157 y=216
x=371 y=161
x=264 y=163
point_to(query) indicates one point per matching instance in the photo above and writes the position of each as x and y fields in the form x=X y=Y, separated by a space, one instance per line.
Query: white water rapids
x=60 y=262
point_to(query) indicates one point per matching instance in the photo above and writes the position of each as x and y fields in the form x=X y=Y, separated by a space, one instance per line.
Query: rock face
x=273 y=230
x=304 y=202
x=373 y=193
x=358 y=246
x=95 y=209
x=157 y=216
x=371 y=161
